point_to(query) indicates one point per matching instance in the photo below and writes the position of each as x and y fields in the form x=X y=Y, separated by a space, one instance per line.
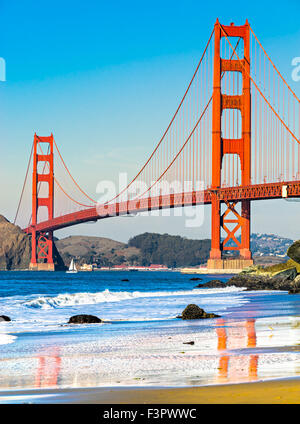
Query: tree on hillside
x=173 y=251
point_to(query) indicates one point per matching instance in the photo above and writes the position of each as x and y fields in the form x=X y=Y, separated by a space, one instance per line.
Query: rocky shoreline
x=284 y=276
x=284 y=281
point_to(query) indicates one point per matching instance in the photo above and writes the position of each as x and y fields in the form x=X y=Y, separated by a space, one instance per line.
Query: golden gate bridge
x=236 y=130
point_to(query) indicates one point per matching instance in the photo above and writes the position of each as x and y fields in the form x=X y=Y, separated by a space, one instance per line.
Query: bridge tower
x=42 y=243
x=222 y=146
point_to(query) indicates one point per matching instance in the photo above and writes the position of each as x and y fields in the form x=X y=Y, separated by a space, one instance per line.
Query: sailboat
x=72 y=268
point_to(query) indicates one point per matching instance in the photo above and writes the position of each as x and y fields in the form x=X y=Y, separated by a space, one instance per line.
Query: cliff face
x=15 y=248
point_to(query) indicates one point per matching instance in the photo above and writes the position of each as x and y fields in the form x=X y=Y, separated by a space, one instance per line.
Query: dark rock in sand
x=194 y=312
x=190 y=343
x=84 y=319
x=195 y=279
x=212 y=284
x=4 y=318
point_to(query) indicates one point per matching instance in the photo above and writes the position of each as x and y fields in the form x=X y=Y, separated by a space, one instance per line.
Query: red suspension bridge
x=236 y=131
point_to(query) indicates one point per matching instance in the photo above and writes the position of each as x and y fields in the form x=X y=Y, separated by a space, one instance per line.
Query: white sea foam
x=87 y=298
x=6 y=339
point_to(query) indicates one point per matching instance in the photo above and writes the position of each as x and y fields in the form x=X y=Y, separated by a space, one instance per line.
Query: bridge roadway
x=266 y=191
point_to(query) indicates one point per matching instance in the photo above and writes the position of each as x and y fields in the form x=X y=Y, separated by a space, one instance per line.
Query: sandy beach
x=286 y=391
x=142 y=353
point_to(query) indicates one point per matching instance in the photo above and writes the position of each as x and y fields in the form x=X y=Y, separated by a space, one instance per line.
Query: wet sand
x=285 y=391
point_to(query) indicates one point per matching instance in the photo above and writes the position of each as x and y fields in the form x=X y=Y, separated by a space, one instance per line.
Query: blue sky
x=105 y=78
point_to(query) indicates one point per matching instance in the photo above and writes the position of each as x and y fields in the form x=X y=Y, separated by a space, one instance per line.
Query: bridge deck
x=253 y=192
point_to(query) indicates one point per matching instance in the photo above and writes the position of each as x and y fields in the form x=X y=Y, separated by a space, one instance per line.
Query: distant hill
x=99 y=250
x=144 y=249
x=172 y=251
x=269 y=245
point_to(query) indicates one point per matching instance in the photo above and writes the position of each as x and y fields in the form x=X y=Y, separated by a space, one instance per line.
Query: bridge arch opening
x=43 y=189
x=231 y=170
x=42 y=214
x=42 y=167
x=231 y=124
x=226 y=52
x=232 y=83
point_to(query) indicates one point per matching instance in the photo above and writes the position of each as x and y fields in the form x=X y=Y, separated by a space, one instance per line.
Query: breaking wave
x=6 y=339
x=87 y=298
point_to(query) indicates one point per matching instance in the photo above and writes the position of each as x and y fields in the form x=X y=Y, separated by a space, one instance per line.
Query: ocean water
x=141 y=342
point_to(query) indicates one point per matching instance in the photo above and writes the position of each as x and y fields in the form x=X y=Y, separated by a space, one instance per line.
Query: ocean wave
x=6 y=339
x=87 y=298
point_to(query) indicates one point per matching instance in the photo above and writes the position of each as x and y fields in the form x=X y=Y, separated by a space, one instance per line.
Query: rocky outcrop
x=194 y=312
x=4 y=318
x=280 y=281
x=212 y=284
x=84 y=319
x=293 y=251
x=283 y=276
x=294 y=290
x=15 y=248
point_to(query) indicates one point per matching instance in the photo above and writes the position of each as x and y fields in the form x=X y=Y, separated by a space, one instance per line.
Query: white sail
x=72 y=267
